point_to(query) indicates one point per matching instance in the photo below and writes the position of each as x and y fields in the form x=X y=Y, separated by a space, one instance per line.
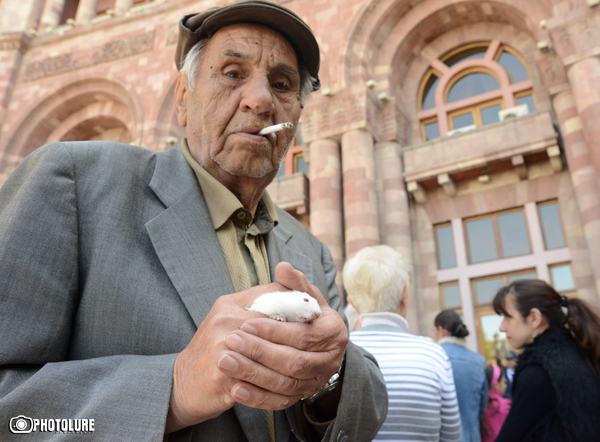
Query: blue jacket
x=471 y=385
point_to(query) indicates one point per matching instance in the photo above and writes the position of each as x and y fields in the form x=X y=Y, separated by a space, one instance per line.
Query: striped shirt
x=422 y=398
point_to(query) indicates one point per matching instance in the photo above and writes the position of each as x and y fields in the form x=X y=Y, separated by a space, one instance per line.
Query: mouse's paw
x=279 y=318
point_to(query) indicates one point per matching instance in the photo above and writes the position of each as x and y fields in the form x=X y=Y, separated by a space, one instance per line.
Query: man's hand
x=278 y=363
x=241 y=356
x=200 y=390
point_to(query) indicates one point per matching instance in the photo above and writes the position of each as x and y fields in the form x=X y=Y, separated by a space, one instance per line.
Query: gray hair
x=375 y=279
x=192 y=62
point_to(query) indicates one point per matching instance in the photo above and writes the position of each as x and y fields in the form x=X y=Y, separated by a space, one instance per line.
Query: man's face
x=248 y=78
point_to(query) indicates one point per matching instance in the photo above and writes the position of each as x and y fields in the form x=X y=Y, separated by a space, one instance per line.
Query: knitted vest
x=576 y=386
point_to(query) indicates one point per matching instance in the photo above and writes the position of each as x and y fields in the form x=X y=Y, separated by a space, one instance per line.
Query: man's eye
x=281 y=85
x=233 y=74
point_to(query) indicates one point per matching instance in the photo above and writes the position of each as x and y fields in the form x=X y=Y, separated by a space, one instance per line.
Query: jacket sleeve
x=364 y=401
x=484 y=396
x=39 y=294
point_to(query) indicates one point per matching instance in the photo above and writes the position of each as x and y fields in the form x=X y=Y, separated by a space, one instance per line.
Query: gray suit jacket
x=108 y=264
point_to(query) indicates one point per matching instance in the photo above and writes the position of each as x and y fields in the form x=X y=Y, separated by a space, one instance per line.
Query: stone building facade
x=463 y=133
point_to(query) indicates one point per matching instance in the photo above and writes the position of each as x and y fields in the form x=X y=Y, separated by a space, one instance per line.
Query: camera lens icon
x=21 y=424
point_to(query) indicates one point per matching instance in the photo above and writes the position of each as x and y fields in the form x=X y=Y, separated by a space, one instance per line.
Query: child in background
x=498 y=406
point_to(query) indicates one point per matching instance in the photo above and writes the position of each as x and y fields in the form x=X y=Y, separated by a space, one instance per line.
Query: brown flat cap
x=195 y=27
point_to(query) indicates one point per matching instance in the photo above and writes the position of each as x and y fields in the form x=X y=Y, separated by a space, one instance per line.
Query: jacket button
x=342 y=436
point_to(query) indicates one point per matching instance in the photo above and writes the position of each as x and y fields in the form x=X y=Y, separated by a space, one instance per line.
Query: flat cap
x=195 y=27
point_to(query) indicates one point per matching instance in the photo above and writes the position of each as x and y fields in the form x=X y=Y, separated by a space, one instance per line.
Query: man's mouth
x=251 y=133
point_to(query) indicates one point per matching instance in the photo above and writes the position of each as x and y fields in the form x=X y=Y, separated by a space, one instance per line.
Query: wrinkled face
x=519 y=330
x=248 y=79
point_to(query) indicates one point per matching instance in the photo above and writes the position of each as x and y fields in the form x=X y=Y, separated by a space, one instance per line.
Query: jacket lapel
x=184 y=238
x=187 y=246
x=278 y=249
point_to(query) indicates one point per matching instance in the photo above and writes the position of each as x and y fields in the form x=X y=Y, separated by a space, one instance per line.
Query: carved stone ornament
x=111 y=51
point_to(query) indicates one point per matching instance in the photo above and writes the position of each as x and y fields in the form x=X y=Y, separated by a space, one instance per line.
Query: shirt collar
x=384 y=318
x=453 y=340
x=222 y=204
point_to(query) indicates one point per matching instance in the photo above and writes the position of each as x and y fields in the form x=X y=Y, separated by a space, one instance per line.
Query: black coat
x=556 y=394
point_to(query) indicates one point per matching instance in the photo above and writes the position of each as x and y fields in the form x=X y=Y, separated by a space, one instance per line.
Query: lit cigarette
x=275 y=128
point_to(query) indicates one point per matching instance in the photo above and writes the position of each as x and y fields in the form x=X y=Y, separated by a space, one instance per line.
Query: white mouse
x=292 y=306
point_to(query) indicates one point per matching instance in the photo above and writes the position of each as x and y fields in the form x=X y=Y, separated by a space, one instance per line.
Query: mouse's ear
x=294 y=279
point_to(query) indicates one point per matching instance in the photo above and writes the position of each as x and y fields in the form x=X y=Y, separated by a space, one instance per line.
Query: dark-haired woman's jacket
x=468 y=368
x=556 y=394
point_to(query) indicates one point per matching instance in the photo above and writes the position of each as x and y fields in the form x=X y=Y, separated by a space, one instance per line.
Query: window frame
x=508 y=91
x=560 y=220
x=443 y=297
x=423 y=87
x=571 y=293
x=463 y=74
x=437 y=245
x=525 y=93
x=429 y=121
x=476 y=110
x=497 y=236
x=464 y=48
x=504 y=47
x=295 y=157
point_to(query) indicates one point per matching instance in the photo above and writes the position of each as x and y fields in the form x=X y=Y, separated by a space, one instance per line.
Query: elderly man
x=418 y=374
x=126 y=274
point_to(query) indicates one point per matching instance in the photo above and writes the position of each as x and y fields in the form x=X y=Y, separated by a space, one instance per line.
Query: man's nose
x=257 y=96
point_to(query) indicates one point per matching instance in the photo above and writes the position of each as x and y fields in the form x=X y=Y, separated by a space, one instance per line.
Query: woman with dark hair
x=468 y=368
x=556 y=386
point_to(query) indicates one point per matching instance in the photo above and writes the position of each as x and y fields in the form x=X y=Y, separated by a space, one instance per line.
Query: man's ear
x=404 y=297
x=181 y=91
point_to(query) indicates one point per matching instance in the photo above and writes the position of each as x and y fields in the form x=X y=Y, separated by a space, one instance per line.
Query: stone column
x=123 y=5
x=86 y=11
x=360 y=196
x=584 y=174
x=53 y=10
x=326 y=211
x=394 y=219
x=394 y=216
x=584 y=77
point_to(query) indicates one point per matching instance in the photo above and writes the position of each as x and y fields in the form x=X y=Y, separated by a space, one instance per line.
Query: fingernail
x=241 y=394
x=234 y=342
x=249 y=329
x=227 y=363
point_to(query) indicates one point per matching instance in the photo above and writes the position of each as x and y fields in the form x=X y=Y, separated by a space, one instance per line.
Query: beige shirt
x=240 y=236
x=242 y=243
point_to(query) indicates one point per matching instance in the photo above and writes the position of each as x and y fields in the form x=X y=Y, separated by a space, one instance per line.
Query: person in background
x=422 y=399
x=498 y=407
x=556 y=387
x=469 y=372
x=510 y=362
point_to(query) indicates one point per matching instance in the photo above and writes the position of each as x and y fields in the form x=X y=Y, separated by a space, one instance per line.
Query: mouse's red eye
x=305 y=299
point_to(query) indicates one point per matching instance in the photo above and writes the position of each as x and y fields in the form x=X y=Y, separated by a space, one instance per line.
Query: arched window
x=469 y=86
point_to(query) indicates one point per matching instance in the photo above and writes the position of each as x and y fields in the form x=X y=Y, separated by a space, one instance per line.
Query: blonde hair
x=375 y=279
